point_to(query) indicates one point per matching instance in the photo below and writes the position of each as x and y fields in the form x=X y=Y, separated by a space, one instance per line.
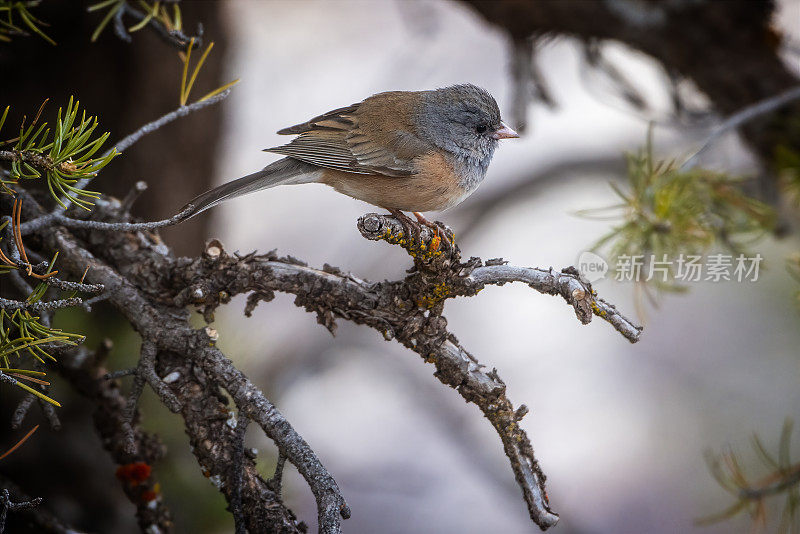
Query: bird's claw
x=440 y=230
x=413 y=231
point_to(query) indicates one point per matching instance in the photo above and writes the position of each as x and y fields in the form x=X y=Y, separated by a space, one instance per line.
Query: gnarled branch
x=152 y=289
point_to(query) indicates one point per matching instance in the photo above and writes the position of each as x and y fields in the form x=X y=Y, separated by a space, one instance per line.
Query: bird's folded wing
x=346 y=139
x=336 y=119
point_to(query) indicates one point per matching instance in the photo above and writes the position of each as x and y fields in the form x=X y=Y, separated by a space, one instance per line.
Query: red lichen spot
x=134 y=474
x=149 y=495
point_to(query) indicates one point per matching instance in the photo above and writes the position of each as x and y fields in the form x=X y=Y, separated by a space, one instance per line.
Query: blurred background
x=619 y=429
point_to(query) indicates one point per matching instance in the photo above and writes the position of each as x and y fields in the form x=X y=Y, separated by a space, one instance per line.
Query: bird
x=403 y=151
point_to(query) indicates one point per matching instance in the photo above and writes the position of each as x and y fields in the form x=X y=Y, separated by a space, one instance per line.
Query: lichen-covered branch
x=407 y=310
x=152 y=290
x=568 y=285
x=472 y=276
x=84 y=370
x=186 y=353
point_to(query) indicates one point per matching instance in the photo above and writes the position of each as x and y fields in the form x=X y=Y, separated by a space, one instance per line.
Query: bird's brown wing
x=333 y=119
x=376 y=136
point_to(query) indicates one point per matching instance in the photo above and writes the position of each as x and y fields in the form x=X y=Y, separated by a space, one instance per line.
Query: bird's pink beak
x=504 y=132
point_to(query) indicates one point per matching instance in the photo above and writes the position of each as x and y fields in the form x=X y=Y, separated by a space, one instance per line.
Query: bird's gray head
x=463 y=120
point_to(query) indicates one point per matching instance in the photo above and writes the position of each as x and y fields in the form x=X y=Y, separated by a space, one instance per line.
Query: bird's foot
x=410 y=227
x=440 y=229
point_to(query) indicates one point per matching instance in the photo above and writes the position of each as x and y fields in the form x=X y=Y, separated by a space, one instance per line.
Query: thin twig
x=785 y=481
x=148 y=128
x=22 y=410
x=7 y=505
x=45 y=222
x=147 y=367
x=128 y=141
x=528 y=84
x=176 y=38
x=276 y=482
x=238 y=468
x=568 y=285
x=145 y=373
x=9 y=304
x=741 y=117
x=129 y=413
x=49 y=410
x=593 y=53
x=137 y=189
x=122 y=373
x=87 y=304
x=331 y=505
x=66 y=285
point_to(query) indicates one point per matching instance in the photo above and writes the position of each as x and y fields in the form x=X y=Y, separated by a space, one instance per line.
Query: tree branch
x=175 y=38
x=10 y=305
x=168 y=328
x=405 y=310
x=29 y=508
x=741 y=117
x=130 y=140
x=117 y=428
x=152 y=289
x=740 y=64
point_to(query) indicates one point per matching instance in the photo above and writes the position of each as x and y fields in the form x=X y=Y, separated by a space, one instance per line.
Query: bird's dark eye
x=481 y=128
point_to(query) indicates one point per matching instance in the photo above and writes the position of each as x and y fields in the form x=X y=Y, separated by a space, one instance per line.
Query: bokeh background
x=619 y=429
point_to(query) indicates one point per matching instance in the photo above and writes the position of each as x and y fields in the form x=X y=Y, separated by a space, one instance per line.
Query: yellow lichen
x=438 y=293
x=597 y=311
x=415 y=250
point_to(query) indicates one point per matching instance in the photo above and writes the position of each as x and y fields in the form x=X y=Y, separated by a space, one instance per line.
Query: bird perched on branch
x=400 y=150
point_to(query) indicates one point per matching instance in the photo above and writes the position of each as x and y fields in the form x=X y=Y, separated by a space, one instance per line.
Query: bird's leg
x=409 y=226
x=441 y=230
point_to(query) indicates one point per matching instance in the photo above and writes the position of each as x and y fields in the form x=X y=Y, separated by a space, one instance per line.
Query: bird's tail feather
x=283 y=171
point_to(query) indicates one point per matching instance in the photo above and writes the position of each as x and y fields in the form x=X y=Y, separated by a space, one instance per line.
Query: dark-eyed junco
x=400 y=150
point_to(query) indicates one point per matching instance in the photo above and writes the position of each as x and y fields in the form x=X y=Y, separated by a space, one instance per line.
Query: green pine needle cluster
x=787 y=163
x=63 y=156
x=155 y=12
x=22 y=333
x=666 y=212
x=10 y=11
x=782 y=479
